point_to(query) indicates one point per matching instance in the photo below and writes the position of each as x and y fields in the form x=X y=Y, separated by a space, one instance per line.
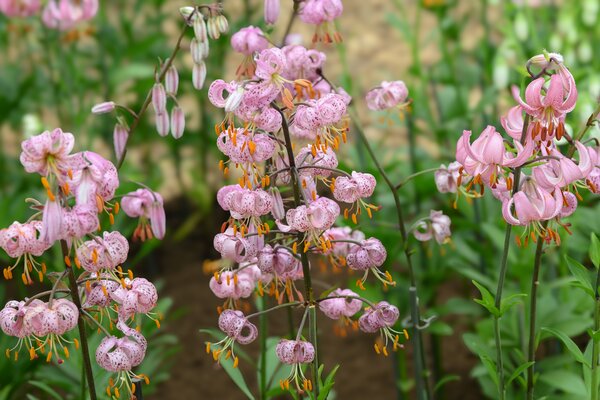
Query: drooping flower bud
x=199 y=75
x=103 y=108
x=172 y=80
x=162 y=123
x=199 y=28
x=235 y=99
x=199 y=50
x=177 y=122
x=120 y=137
x=159 y=98
x=272 y=9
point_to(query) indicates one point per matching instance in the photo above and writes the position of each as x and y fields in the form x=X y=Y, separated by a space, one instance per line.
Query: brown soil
x=362 y=374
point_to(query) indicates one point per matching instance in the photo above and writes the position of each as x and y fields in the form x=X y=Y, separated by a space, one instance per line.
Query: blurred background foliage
x=458 y=58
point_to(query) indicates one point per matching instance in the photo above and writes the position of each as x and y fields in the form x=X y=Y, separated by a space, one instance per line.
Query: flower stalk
x=422 y=387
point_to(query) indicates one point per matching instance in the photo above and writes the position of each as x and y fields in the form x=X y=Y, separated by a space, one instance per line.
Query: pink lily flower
x=384 y=315
x=387 y=95
x=138 y=296
x=349 y=190
x=235 y=325
x=436 y=226
x=148 y=206
x=563 y=172
x=65 y=14
x=532 y=204
x=446 y=178
x=122 y=354
x=20 y=8
x=485 y=158
x=104 y=253
x=369 y=254
x=97 y=182
x=49 y=153
x=42 y=319
x=249 y=40
x=341 y=307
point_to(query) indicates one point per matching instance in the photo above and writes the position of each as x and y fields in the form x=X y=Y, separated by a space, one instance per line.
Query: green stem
x=85 y=348
x=502 y=276
x=263 y=325
x=412 y=176
x=595 y=341
x=308 y=289
x=163 y=72
x=533 y=311
x=420 y=374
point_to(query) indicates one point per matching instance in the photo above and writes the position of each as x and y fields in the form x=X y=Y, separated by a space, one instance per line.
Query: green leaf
x=595 y=251
x=519 y=371
x=490 y=365
x=328 y=384
x=510 y=301
x=569 y=344
x=567 y=381
x=234 y=373
x=446 y=379
x=46 y=389
x=582 y=275
x=487 y=300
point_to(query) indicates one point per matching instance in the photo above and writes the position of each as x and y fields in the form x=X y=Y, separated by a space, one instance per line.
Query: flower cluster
x=537 y=183
x=63 y=15
x=207 y=22
x=284 y=123
x=80 y=192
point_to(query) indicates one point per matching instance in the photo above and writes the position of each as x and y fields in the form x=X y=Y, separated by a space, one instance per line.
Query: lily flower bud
x=199 y=28
x=159 y=98
x=104 y=108
x=162 y=124
x=272 y=8
x=199 y=75
x=199 y=50
x=177 y=122
x=120 y=136
x=172 y=80
x=213 y=29
x=234 y=100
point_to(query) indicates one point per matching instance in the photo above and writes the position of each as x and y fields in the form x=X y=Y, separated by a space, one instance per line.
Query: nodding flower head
x=12 y=318
x=387 y=95
x=318 y=215
x=19 y=239
x=436 y=226
x=337 y=308
x=65 y=14
x=383 y=315
x=148 y=206
x=562 y=171
x=351 y=189
x=249 y=40
x=121 y=354
x=278 y=260
x=303 y=63
x=532 y=204
x=369 y=254
x=270 y=65
x=57 y=318
x=341 y=238
x=235 y=325
x=100 y=292
x=235 y=284
x=20 y=8
x=97 y=179
x=548 y=104
x=243 y=148
x=486 y=156
x=309 y=159
x=317 y=12
x=103 y=253
x=235 y=246
x=49 y=153
x=244 y=203
x=136 y=296
x=446 y=178
x=79 y=221
x=292 y=352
